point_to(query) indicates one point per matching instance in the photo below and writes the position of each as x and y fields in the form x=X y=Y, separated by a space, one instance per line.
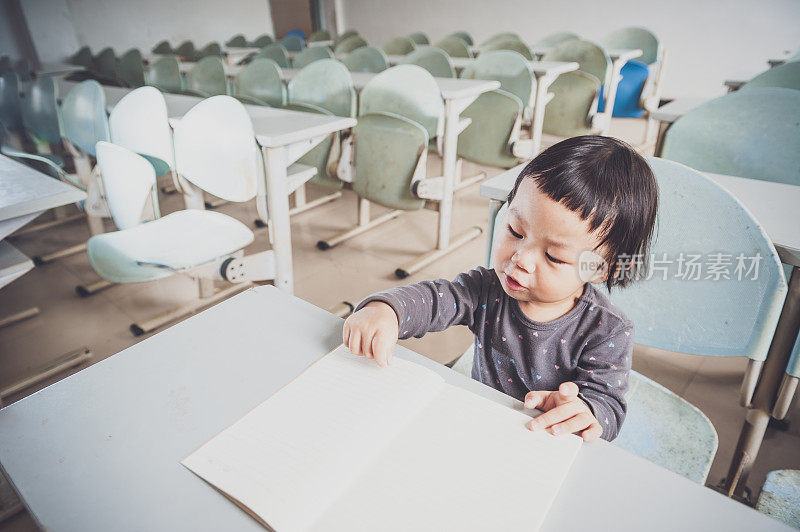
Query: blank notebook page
x=348 y=445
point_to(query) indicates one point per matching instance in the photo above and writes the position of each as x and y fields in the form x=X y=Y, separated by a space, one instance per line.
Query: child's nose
x=524 y=262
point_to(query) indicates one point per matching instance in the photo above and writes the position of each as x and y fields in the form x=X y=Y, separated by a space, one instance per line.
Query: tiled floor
x=345 y=273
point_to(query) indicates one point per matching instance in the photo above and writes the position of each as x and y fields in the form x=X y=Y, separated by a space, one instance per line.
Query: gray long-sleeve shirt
x=591 y=345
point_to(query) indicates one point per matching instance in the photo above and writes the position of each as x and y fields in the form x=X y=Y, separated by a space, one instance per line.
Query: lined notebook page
x=292 y=455
x=465 y=463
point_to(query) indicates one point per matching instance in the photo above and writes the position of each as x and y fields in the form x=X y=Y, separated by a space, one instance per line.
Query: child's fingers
x=536 y=398
x=555 y=415
x=382 y=349
x=346 y=333
x=593 y=432
x=366 y=344
x=355 y=342
x=567 y=391
x=576 y=423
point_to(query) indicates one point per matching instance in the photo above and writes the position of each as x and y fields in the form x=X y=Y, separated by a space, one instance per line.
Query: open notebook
x=349 y=446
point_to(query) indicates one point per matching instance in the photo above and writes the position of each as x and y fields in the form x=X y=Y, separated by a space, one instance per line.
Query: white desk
x=774 y=205
x=100 y=450
x=668 y=113
x=284 y=136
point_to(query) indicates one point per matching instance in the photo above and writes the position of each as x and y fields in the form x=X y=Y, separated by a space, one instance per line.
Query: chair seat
x=180 y=241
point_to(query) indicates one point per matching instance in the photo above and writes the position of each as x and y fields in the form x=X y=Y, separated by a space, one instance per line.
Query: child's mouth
x=513 y=284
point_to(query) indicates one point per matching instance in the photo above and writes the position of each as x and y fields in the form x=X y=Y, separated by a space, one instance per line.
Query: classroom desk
x=284 y=136
x=24 y=195
x=100 y=450
x=774 y=205
x=668 y=113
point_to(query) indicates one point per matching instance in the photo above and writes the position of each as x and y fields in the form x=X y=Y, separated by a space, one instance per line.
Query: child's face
x=537 y=249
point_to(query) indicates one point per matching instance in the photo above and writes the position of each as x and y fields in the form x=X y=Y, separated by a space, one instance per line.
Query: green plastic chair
x=780 y=496
x=10 y=104
x=293 y=43
x=105 y=64
x=555 y=39
x=84 y=118
x=259 y=83
x=207 y=78
x=454 y=47
x=344 y=36
x=262 y=41
x=574 y=103
x=515 y=45
x=419 y=38
x=785 y=76
x=83 y=57
x=323 y=87
x=590 y=57
x=409 y=91
x=399 y=46
x=366 y=59
x=237 y=41
x=320 y=35
x=131 y=69
x=23 y=69
x=463 y=35
x=186 y=50
x=635 y=37
x=353 y=42
x=276 y=52
x=311 y=54
x=162 y=48
x=506 y=35
x=165 y=75
x=46 y=163
x=40 y=113
x=432 y=59
x=753 y=134
x=509 y=68
x=212 y=49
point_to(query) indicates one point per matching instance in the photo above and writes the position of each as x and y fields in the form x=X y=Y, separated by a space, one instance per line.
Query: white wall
x=707 y=41
x=124 y=24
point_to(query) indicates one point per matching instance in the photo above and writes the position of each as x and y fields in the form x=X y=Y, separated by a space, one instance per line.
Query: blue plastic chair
x=294 y=42
x=628 y=102
x=298 y=33
x=631 y=98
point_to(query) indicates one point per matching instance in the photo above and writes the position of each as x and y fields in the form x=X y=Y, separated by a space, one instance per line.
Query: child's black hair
x=606 y=182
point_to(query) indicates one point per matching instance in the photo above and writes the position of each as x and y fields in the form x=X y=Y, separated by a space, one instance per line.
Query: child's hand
x=372 y=332
x=564 y=412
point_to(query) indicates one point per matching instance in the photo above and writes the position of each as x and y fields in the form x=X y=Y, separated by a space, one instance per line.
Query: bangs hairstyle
x=609 y=185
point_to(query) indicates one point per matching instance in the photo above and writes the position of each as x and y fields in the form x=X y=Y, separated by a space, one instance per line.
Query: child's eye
x=553 y=259
x=516 y=235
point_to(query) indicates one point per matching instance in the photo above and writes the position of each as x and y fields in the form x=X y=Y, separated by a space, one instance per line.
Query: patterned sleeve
x=435 y=305
x=602 y=379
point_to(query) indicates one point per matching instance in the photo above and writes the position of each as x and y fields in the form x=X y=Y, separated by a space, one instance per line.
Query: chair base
x=213 y=204
x=151 y=324
x=19 y=316
x=469 y=181
x=60 y=254
x=434 y=255
x=47 y=225
x=86 y=290
x=62 y=363
x=361 y=228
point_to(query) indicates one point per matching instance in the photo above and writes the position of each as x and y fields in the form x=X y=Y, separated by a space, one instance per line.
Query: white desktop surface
x=100 y=450
x=25 y=191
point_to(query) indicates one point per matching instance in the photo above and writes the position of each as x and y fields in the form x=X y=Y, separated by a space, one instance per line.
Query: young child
x=543 y=333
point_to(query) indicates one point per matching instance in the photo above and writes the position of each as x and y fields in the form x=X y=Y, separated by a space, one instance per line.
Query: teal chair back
x=320 y=35
x=464 y=36
x=186 y=50
x=351 y=43
x=344 y=36
x=494 y=119
x=509 y=68
x=786 y=76
x=131 y=69
x=419 y=38
x=83 y=112
x=569 y=113
x=261 y=41
x=165 y=74
x=212 y=49
x=409 y=91
x=432 y=59
x=556 y=39
x=259 y=83
x=591 y=57
x=399 y=46
x=506 y=35
x=311 y=54
x=237 y=41
x=40 y=113
x=84 y=58
x=634 y=37
x=327 y=85
x=514 y=45
x=207 y=78
x=163 y=48
x=293 y=43
x=454 y=47
x=366 y=59
x=753 y=133
x=10 y=104
x=276 y=52
x=105 y=64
